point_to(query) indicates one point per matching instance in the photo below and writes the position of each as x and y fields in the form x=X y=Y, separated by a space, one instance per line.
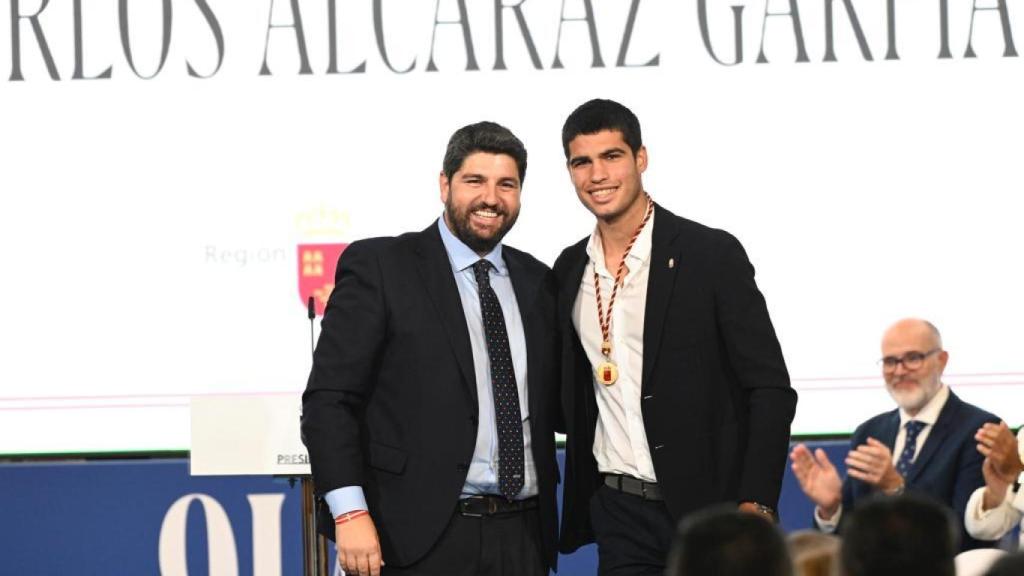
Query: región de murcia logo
x=322 y=227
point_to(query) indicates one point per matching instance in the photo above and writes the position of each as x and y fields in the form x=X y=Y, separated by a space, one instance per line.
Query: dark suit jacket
x=948 y=468
x=391 y=403
x=717 y=403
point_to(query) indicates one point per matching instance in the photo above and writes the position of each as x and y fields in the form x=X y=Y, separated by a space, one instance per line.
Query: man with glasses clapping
x=926 y=445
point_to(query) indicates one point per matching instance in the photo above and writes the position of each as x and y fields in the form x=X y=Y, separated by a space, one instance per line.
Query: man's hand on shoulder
x=358 y=546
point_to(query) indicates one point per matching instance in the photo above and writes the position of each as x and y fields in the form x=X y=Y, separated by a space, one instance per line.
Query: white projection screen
x=165 y=163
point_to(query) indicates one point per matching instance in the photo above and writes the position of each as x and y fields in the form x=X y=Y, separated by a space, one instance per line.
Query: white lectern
x=254 y=434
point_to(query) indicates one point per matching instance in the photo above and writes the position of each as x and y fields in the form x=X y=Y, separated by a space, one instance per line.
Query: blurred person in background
x=995 y=510
x=723 y=541
x=813 y=553
x=907 y=535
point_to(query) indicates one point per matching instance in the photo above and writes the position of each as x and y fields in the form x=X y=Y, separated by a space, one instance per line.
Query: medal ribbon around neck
x=607 y=372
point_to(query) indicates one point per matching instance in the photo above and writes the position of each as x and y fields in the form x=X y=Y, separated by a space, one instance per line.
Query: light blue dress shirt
x=482 y=477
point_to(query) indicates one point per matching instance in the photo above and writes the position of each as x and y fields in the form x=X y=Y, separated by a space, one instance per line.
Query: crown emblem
x=322 y=222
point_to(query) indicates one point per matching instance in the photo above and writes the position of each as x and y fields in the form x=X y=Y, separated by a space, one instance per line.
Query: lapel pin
x=671 y=262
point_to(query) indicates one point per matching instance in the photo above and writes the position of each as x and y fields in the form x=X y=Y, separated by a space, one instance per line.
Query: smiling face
x=912 y=389
x=606 y=174
x=481 y=199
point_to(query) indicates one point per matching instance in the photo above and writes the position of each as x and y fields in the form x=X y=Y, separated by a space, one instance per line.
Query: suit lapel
x=570 y=286
x=890 y=429
x=436 y=270
x=938 y=434
x=661 y=281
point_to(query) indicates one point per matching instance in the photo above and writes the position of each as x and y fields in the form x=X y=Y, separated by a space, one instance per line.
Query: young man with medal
x=674 y=389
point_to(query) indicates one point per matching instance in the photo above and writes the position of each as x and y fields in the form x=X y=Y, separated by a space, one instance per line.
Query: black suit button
x=651 y=397
x=659 y=446
x=473 y=420
x=462 y=466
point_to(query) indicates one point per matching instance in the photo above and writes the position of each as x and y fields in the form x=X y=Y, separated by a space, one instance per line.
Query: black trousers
x=498 y=545
x=633 y=535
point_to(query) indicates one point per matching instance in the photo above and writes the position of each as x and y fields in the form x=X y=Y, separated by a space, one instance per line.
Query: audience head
x=907 y=535
x=813 y=553
x=726 y=542
x=912 y=362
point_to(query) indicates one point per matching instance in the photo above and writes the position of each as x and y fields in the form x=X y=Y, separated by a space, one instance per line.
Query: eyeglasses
x=910 y=360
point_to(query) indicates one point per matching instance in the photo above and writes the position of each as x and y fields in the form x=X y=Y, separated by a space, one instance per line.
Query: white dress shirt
x=928 y=415
x=620 y=441
x=997 y=522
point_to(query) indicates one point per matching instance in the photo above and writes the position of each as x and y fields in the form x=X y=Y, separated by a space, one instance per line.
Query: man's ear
x=445 y=187
x=641 y=159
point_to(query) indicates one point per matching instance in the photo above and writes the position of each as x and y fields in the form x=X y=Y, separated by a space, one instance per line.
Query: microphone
x=311 y=314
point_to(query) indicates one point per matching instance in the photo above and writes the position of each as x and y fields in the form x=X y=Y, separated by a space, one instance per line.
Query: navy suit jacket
x=948 y=468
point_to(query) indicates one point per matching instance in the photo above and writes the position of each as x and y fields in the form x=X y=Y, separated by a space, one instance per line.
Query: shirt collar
x=462 y=256
x=638 y=254
x=930 y=413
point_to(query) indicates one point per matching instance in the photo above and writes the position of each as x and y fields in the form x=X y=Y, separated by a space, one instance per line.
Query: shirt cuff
x=345 y=499
x=828 y=526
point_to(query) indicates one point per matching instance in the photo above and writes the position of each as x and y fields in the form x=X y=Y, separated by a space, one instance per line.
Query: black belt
x=488 y=505
x=634 y=486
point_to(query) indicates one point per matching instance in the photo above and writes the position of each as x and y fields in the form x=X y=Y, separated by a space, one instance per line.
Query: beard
x=912 y=400
x=458 y=221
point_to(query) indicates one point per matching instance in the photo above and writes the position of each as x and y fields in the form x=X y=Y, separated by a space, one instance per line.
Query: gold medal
x=607 y=373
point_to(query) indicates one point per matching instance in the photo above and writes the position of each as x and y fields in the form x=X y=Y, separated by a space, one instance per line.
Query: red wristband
x=349 y=516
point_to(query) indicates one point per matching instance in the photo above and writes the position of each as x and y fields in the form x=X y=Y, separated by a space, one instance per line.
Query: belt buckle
x=643 y=490
x=492 y=506
x=464 y=505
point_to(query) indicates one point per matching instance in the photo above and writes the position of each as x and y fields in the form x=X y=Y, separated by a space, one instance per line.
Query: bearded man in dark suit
x=430 y=410
x=925 y=446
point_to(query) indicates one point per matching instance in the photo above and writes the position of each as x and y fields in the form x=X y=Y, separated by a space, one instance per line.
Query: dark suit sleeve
x=352 y=334
x=969 y=477
x=756 y=359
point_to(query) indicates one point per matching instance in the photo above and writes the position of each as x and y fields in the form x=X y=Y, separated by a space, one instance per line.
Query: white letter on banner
x=266 y=533
x=220 y=539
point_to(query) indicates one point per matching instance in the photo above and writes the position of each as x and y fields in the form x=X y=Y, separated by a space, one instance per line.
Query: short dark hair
x=905 y=535
x=484 y=136
x=598 y=115
x=726 y=542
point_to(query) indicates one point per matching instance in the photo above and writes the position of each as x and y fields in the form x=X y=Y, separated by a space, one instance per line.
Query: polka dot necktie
x=909 y=447
x=503 y=381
